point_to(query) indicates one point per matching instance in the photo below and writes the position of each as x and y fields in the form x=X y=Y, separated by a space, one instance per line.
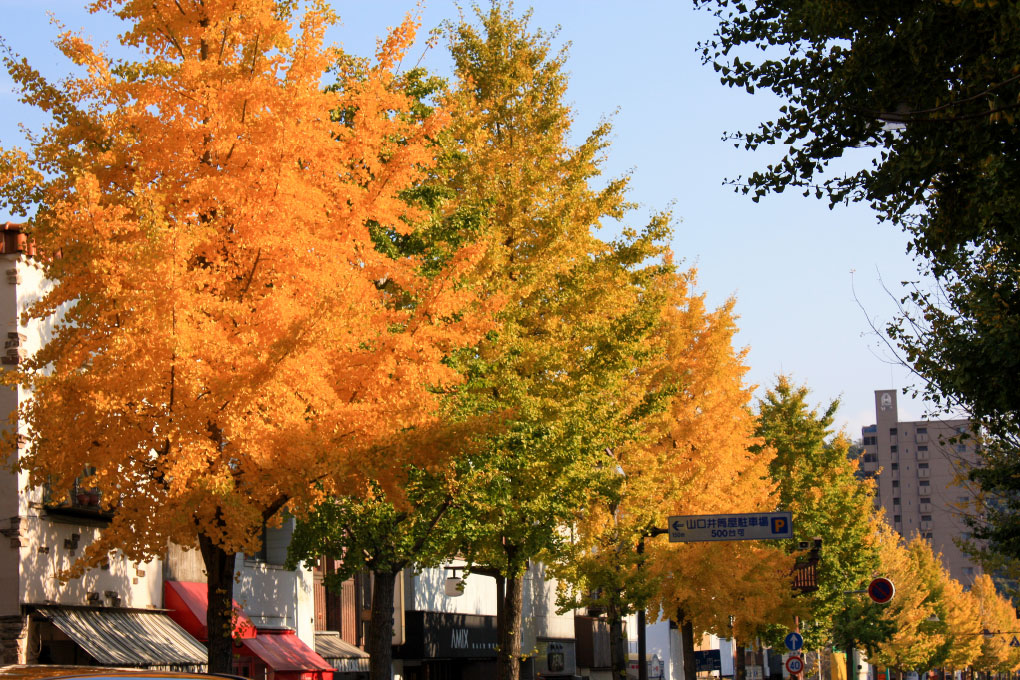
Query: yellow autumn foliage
x=225 y=336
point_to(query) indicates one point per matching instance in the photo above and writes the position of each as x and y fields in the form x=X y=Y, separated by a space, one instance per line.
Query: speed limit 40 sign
x=795 y=665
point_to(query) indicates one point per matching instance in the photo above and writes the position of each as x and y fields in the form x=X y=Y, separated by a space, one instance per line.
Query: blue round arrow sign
x=794 y=641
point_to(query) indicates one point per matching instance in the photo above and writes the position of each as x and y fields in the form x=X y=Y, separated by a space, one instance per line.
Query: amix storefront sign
x=435 y=635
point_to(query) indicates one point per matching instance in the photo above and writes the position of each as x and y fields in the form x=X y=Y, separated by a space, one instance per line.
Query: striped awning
x=120 y=637
x=342 y=655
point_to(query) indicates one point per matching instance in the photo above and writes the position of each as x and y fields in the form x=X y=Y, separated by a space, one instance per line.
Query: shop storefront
x=441 y=646
x=259 y=653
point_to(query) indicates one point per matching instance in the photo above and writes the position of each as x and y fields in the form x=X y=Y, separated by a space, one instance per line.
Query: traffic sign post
x=881 y=590
x=794 y=641
x=750 y=526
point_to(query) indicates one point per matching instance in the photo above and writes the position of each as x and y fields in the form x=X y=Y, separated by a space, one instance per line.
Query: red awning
x=188 y=602
x=287 y=656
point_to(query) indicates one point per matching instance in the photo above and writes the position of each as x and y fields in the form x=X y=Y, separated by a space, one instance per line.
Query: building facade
x=124 y=613
x=920 y=469
x=45 y=617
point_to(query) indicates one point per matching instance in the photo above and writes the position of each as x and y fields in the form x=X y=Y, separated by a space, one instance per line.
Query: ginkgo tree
x=693 y=455
x=556 y=370
x=710 y=461
x=818 y=483
x=997 y=623
x=226 y=331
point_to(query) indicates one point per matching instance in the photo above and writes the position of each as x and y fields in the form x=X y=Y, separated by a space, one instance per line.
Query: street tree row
x=388 y=307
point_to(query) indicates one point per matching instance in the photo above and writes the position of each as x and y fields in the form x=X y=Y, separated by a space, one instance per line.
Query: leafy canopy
x=223 y=331
x=932 y=87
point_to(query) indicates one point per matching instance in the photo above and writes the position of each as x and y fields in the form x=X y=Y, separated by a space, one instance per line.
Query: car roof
x=43 y=672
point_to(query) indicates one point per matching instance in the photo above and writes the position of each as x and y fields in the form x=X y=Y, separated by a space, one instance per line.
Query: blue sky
x=791 y=263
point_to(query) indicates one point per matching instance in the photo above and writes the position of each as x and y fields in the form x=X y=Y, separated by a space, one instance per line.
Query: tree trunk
x=508 y=659
x=617 y=642
x=380 y=630
x=687 y=641
x=740 y=659
x=219 y=569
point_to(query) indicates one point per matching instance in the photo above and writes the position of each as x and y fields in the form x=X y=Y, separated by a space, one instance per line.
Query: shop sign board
x=555 y=657
x=707 y=661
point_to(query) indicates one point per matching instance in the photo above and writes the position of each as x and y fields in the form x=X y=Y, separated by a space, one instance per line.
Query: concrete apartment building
x=917 y=466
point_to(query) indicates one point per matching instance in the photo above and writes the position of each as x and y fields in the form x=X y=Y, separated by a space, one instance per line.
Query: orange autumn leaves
x=694 y=456
x=230 y=333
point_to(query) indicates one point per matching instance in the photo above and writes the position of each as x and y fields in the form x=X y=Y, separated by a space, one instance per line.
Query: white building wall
x=539 y=616
x=43 y=547
x=275 y=597
x=540 y=619
x=428 y=593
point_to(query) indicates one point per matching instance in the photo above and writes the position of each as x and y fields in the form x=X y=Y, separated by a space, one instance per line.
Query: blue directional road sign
x=750 y=526
x=794 y=641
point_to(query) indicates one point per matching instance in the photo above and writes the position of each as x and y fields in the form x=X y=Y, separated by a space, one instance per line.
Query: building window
x=896 y=501
x=870 y=441
x=870 y=458
x=925 y=499
x=896 y=484
x=961 y=448
x=897 y=518
x=922 y=430
x=925 y=518
x=895 y=466
x=924 y=482
x=893 y=448
x=892 y=431
x=922 y=447
x=925 y=534
x=922 y=466
x=963 y=499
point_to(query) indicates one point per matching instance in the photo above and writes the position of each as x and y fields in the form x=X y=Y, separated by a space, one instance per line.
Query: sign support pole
x=796 y=629
x=642 y=645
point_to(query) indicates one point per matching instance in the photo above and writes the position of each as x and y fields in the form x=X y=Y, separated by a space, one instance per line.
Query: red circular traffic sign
x=795 y=665
x=881 y=590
